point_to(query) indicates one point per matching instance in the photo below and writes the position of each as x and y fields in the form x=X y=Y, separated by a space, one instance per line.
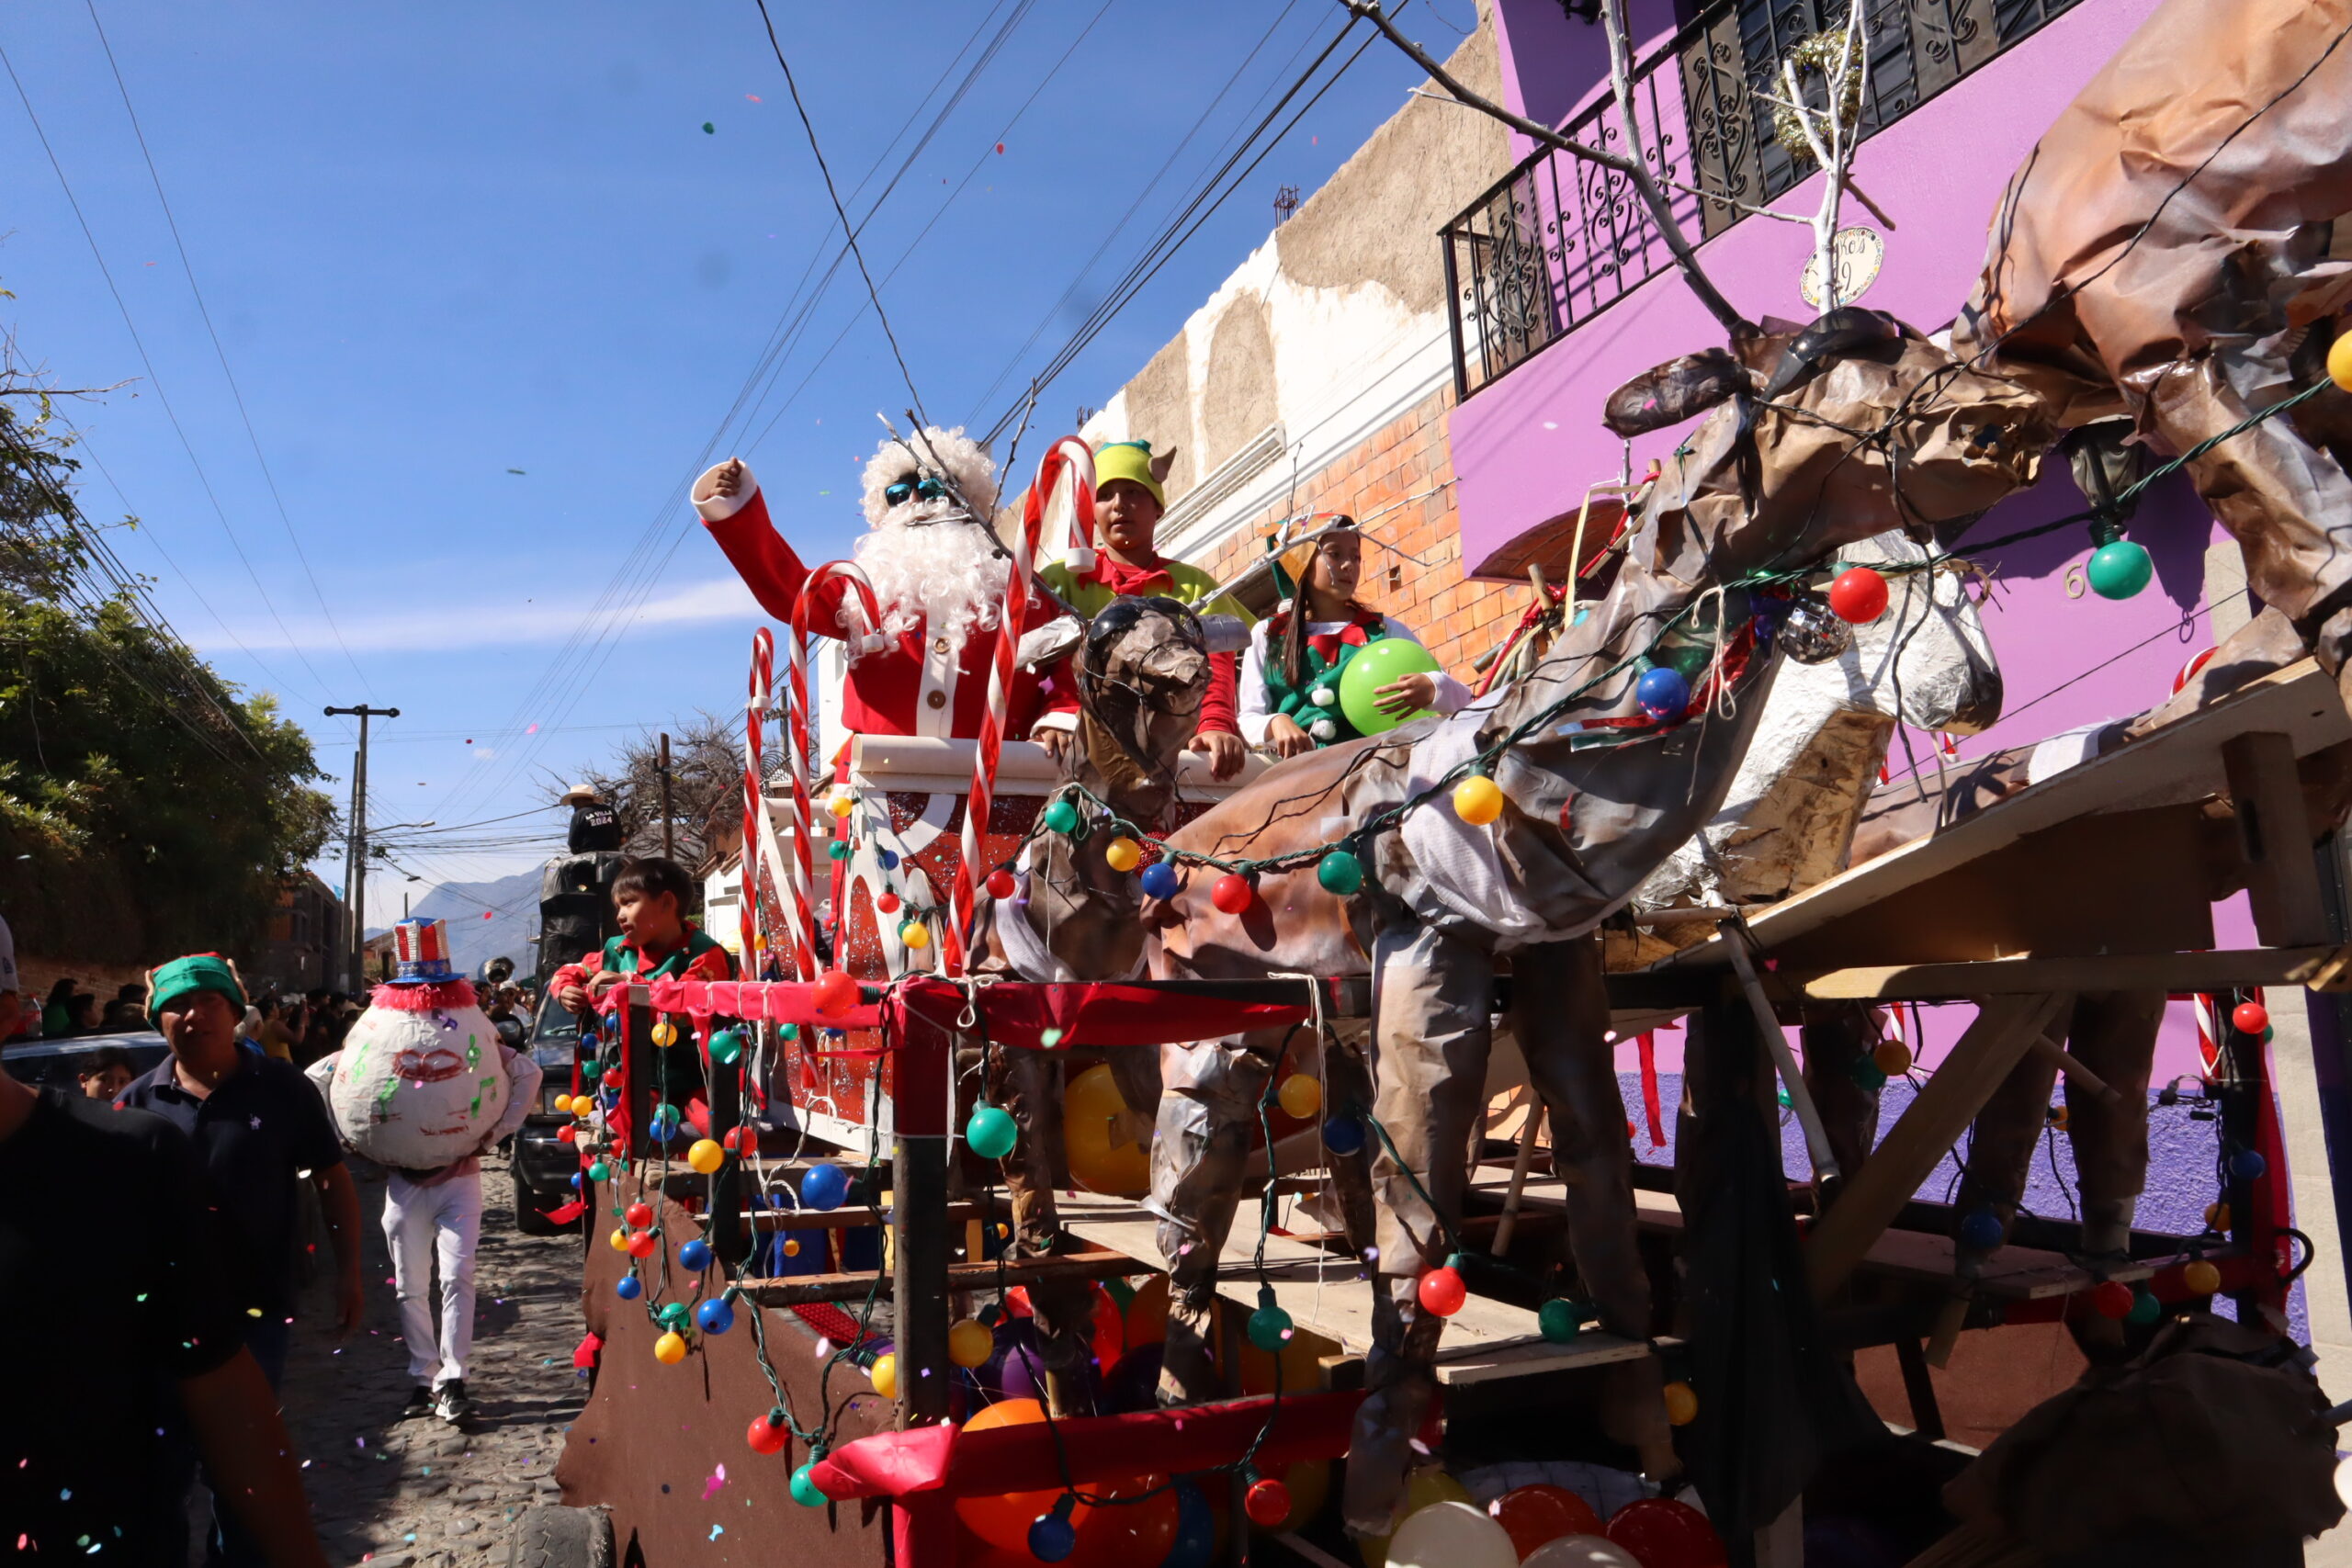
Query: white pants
x=421 y=1223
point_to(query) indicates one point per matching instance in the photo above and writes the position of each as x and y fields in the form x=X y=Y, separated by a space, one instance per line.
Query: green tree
x=147 y=805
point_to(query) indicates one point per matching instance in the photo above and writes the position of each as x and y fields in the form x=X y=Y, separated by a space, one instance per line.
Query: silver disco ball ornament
x=1812 y=633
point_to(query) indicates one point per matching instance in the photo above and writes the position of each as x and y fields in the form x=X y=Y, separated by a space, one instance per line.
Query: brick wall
x=1399 y=483
x=36 y=975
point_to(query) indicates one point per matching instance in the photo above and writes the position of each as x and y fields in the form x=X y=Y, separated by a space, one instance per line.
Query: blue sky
x=443 y=242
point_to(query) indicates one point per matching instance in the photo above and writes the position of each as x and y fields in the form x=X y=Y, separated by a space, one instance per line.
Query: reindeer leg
x=1835 y=1039
x=1199 y=1153
x=1347 y=1091
x=2000 y=1148
x=1028 y=1085
x=2115 y=1035
x=1560 y=1010
x=1431 y=1034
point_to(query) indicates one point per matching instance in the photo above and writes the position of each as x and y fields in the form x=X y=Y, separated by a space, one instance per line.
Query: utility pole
x=356 y=847
x=668 y=850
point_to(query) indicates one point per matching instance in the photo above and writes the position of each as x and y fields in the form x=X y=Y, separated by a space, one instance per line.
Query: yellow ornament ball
x=841 y=805
x=1477 y=800
x=2217 y=1217
x=619 y=1238
x=1681 y=1404
x=563 y=1104
x=915 y=935
x=2201 y=1277
x=2339 y=362
x=669 y=1349
x=969 y=1343
x=1122 y=854
x=664 y=1032
x=706 y=1156
x=1893 y=1058
x=884 y=1373
x=1300 y=1096
x=791 y=1248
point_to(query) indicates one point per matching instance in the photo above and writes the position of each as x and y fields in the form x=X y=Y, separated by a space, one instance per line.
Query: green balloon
x=1339 y=872
x=2120 y=568
x=1373 y=666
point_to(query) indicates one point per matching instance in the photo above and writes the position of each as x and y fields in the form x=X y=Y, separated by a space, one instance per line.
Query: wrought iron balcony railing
x=1558 y=241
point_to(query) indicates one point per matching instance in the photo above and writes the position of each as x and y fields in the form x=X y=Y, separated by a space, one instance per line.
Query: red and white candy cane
x=755 y=805
x=1070 y=458
x=803 y=877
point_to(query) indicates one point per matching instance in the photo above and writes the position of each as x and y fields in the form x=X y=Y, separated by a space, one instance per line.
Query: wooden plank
x=802 y=1290
x=918 y=765
x=2027 y=977
x=1486 y=1339
x=2176 y=765
x=2275 y=840
x=1956 y=1091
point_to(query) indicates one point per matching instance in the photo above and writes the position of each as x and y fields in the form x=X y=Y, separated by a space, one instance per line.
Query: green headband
x=197 y=972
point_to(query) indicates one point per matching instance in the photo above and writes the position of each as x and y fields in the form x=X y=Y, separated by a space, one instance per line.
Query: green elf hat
x=167 y=982
x=1127 y=460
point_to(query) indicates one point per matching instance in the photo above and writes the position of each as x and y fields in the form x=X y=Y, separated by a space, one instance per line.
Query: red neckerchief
x=1355 y=634
x=1132 y=581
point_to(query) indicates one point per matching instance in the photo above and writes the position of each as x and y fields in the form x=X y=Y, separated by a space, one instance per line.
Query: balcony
x=1558 y=241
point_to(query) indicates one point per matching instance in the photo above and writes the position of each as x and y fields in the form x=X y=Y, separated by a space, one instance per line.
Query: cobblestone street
x=395 y=1494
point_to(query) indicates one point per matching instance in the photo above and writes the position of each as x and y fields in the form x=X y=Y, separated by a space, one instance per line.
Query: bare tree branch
x=1636 y=173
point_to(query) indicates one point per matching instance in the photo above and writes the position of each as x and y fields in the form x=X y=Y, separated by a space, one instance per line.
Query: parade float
x=918 y=1243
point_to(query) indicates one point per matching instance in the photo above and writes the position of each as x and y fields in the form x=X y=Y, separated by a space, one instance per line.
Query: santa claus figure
x=937 y=571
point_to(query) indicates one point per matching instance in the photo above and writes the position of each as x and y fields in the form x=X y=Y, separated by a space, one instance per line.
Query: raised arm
x=728 y=498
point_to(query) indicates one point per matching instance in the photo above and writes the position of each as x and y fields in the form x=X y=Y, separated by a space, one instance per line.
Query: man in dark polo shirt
x=111 y=1294
x=256 y=1125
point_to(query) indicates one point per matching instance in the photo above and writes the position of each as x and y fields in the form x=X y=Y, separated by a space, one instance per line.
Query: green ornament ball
x=592 y=1071
x=2120 y=568
x=1373 y=666
x=727 y=1047
x=2146 y=1308
x=673 y=1315
x=804 y=1487
x=1339 y=872
x=1061 y=817
x=1268 y=1328
x=600 y=1172
x=1866 y=1076
x=790 y=1032
x=991 y=1132
x=1559 y=1321
x=838 y=849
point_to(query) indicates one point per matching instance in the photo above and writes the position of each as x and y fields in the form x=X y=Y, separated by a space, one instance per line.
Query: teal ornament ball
x=838 y=849
x=1268 y=1328
x=2146 y=1308
x=804 y=1487
x=1339 y=872
x=1559 y=1321
x=727 y=1047
x=1061 y=817
x=991 y=1132
x=2120 y=568
x=1866 y=1076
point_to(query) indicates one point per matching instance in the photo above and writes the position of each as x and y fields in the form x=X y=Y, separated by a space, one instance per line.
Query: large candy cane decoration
x=796 y=738
x=1069 y=456
x=755 y=805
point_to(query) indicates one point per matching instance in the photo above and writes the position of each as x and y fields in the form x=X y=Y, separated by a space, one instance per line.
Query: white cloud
x=441 y=624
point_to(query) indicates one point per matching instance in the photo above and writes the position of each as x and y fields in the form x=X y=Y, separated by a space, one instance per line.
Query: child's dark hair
x=104 y=1057
x=652 y=876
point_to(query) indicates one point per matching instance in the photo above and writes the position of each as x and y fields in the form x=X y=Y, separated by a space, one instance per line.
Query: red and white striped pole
x=755 y=714
x=1070 y=456
x=804 y=950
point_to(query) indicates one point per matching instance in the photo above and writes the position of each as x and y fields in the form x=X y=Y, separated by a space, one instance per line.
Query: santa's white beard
x=946 y=573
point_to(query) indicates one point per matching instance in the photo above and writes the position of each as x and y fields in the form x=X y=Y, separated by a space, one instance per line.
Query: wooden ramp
x=1485 y=1340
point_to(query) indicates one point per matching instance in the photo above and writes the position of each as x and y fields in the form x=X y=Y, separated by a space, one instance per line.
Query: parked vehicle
x=544 y=1164
x=41 y=1063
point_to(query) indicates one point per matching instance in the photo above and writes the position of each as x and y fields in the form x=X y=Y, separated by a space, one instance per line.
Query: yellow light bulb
x=1122 y=854
x=1477 y=800
x=669 y=1349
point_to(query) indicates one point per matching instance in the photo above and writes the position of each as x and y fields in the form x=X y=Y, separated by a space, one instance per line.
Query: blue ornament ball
x=714 y=1317
x=889 y=861
x=694 y=1256
x=1051 y=1539
x=824 y=1186
x=629 y=1288
x=1160 y=880
x=1981 y=1230
x=575 y=1182
x=2247 y=1164
x=1663 y=693
x=1343 y=1134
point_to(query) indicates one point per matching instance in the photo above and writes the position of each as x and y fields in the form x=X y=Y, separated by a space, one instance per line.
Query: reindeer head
x=1142 y=673
x=1822 y=436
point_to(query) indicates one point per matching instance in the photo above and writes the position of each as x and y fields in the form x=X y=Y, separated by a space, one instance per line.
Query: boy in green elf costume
x=1129 y=497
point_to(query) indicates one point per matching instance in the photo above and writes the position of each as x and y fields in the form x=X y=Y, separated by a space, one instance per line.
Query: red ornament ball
x=1232 y=892
x=765 y=1436
x=1000 y=885
x=642 y=1244
x=2250 y=1018
x=1442 y=1291
x=564 y=1135
x=887 y=903
x=2113 y=1300
x=638 y=1215
x=836 y=993
x=1267 y=1503
x=741 y=1139
x=1662 y=1533
x=1858 y=596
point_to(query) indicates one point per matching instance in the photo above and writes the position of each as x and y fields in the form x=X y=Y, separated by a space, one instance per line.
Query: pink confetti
x=753 y=96
x=710 y=1486
x=532 y=730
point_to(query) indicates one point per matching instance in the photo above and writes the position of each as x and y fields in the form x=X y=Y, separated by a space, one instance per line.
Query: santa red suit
x=925 y=684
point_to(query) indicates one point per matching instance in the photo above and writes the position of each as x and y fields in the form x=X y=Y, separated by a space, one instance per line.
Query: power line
x=138 y=342
x=235 y=392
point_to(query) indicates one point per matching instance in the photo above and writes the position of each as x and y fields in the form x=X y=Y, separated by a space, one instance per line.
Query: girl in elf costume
x=1290 y=681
